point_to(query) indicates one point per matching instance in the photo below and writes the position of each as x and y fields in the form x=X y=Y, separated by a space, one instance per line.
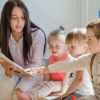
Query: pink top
x=58 y=76
x=16 y=49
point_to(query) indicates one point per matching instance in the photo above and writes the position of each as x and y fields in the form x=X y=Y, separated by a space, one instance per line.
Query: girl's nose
x=53 y=48
x=19 y=20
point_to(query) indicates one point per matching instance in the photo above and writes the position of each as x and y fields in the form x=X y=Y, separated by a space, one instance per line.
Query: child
x=91 y=62
x=58 y=85
x=79 y=83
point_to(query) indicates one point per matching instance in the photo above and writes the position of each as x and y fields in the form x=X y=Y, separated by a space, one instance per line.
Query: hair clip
x=61 y=28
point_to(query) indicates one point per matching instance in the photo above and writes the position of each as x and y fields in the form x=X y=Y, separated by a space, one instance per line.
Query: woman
x=22 y=42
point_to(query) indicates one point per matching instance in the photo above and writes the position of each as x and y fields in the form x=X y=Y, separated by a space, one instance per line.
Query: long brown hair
x=5 y=30
x=95 y=26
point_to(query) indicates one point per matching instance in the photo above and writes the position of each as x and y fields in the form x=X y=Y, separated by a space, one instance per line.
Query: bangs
x=75 y=37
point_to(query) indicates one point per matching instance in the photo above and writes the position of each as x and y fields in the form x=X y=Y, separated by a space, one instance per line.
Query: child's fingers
x=39 y=73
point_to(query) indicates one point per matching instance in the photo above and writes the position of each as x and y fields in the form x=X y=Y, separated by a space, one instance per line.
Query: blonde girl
x=54 y=84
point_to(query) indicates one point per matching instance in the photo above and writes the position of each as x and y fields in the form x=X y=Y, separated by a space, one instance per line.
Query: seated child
x=79 y=84
x=54 y=83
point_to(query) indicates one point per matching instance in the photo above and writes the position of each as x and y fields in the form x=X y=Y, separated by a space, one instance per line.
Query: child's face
x=93 y=42
x=56 y=46
x=76 y=49
x=17 y=21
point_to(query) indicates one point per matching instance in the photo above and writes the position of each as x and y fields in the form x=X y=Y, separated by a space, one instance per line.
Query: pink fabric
x=58 y=76
x=16 y=49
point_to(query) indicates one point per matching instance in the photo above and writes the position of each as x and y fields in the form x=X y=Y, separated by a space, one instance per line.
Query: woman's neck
x=17 y=36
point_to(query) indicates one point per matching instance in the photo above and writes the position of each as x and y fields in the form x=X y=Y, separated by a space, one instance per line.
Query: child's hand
x=35 y=71
x=63 y=96
x=56 y=93
x=42 y=70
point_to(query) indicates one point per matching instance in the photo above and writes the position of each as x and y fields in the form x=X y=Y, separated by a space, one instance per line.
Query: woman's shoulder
x=37 y=33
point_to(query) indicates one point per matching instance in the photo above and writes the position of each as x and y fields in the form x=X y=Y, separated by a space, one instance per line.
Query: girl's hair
x=58 y=33
x=77 y=34
x=5 y=30
x=95 y=26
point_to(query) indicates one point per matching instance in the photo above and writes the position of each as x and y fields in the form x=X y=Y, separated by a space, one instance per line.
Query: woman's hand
x=9 y=71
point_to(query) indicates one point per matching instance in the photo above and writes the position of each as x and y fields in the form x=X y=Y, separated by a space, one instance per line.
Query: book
x=15 y=66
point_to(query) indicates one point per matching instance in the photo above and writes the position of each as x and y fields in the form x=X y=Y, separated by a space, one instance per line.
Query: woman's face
x=93 y=42
x=17 y=21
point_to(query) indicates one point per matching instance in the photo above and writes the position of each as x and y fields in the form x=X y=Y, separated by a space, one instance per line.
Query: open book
x=16 y=67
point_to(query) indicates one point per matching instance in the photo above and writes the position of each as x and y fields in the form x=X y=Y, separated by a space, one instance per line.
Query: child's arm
x=47 y=75
x=76 y=83
x=64 y=85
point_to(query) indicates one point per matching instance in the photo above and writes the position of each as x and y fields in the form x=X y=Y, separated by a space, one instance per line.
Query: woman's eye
x=23 y=17
x=14 y=18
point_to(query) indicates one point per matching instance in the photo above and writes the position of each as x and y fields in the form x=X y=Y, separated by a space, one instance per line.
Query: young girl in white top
x=91 y=62
x=79 y=84
x=54 y=84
